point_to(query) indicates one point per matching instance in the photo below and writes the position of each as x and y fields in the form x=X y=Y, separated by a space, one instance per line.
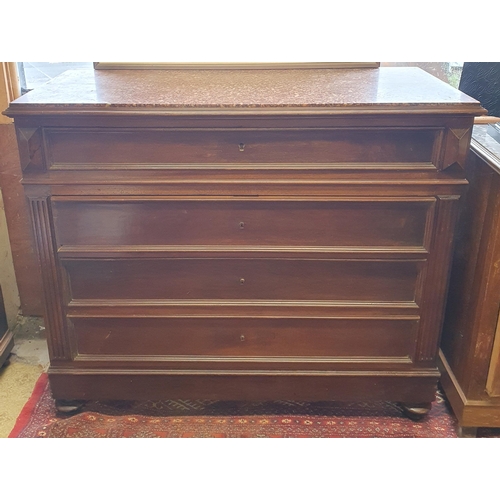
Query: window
x=34 y=74
x=449 y=72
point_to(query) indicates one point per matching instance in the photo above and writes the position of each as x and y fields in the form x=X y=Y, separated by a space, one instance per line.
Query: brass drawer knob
x=242 y=338
x=242 y=280
x=242 y=225
x=241 y=147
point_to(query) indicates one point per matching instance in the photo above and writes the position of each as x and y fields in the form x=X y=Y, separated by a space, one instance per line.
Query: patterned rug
x=230 y=419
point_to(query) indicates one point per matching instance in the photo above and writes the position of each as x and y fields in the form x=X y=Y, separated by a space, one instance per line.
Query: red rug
x=198 y=419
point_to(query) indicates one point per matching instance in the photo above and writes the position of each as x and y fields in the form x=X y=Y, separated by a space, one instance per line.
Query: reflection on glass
x=449 y=72
x=34 y=74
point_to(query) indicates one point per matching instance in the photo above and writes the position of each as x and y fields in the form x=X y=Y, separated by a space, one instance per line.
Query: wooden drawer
x=323 y=337
x=132 y=148
x=109 y=221
x=244 y=279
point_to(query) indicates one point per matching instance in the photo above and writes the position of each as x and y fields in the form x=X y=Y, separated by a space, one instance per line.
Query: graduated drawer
x=244 y=279
x=322 y=337
x=294 y=223
x=90 y=148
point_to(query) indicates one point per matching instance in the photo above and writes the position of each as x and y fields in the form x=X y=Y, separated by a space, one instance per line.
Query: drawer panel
x=241 y=222
x=243 y=279
x=129 y=148
x=321 y=337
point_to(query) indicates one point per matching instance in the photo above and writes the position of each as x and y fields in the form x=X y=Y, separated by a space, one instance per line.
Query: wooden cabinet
x=245 y=234
x=470 y=357
x=6 y=336
x=493 y=381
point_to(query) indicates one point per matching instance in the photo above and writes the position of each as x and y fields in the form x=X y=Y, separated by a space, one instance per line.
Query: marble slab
x=486 y=146
x=342 y=89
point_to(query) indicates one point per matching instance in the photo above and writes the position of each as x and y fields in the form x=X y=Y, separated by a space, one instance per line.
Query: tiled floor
x=30 y=345
x=28 y=360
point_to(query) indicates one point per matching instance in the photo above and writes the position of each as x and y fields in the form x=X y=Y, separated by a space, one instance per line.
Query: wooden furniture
x=6 y=336
x=470 y=357
x=245 y=234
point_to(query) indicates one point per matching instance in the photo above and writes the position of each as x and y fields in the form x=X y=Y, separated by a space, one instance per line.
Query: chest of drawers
x=226 y=234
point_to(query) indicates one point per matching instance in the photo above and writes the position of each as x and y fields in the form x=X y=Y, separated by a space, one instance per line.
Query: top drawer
x=128 y=148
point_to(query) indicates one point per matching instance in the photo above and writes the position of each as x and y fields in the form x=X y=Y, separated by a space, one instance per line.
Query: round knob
x=241 y=146
x=242 y=338
x=242 y=225
x=242 y=280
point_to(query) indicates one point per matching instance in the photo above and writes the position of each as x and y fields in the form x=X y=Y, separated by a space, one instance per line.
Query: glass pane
x=449 y=72
x=34 y=74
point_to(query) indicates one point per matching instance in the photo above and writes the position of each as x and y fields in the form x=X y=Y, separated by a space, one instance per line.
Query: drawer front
x=241 y=222
x=299 y=337
x=244 y=279
x=129 y=148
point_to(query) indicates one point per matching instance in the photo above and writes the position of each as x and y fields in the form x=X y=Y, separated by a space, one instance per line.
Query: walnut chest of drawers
x=244 y=234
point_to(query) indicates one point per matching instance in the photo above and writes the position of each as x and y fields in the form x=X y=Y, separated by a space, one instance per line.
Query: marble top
x=486 y=146
x=340 y=90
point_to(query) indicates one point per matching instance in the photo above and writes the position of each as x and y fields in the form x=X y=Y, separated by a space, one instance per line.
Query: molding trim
x=457 y=142
x=235 y=65
x=9 y=87
x=441 y=247
x=58 y=340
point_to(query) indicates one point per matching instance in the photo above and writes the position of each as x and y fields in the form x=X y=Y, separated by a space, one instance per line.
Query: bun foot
x=69 y=405
x=415 y=412
x=467 y=432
